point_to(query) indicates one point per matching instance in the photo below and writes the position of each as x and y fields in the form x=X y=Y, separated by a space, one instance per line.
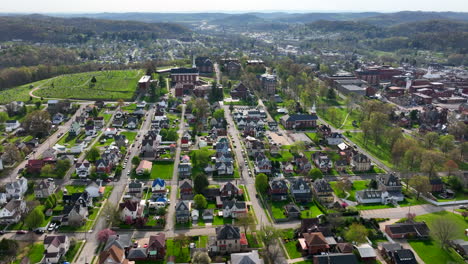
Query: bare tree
x=246 y=221
x=201 y=257
x=421 y=184
x=269 y=236
x=443 y=229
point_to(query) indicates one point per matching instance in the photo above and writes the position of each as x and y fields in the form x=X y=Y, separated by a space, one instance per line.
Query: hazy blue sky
x=69 y=6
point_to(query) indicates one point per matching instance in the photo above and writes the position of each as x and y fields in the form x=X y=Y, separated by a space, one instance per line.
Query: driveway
x=400 y=212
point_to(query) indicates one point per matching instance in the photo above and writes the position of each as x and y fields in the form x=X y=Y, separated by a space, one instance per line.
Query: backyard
x=290 y=243
x=174 y=249
x=108 y=85
x=357 y=186
x=162 y=169
x=34 y=252
x=310 y=210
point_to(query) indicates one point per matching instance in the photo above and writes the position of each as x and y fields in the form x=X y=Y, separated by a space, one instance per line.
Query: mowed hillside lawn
x=109 y=85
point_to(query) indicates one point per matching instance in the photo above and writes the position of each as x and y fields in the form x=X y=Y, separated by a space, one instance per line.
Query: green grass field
x=70 y=141
x=313 y=210
x=75 y=188
x=461 y=223
x=129 y=135
x=34 y=253
x=162 y=170
x=111 y=85
x=431 y=252
x=19 y=93
x=340 y=118
x=71 y=253
x=277 y=209
x=381 y=152
x=290 y=243
x=357 y=186
x=173 y=249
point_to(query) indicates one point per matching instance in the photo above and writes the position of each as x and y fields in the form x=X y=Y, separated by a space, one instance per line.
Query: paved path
x=400 y=212
x=170 y=217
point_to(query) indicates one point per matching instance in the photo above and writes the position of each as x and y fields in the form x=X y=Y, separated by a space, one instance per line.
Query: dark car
x=21 y=232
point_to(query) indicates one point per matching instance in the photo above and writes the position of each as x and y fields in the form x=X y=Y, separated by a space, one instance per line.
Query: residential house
x=278 y=190
x=83 y=169
x=75 y=210
x=55 y=248
x=16 y=189
x=322 y=161
x=110 y=132
x=204 y=65
x=75 y=129
x=44 y=188
x=208 y=215
x=3 y=199
x=194 y=215
x=322 y=191
x=389 y=191
x=313 y=243
x=341 y=165
x=90 y=130
x=144 y=167
x=262 y=164
x=130 y=210
x=99 y=122
x=150 y=144
x=58 y=118
x=11 y=213
x=254 y=146
x=183 y=211
x=103 y=166
x=137 y=254
x=292 y=211
x=135 y=188
x=375 y=196
x=158 y=187
x=300 y=190
x=157 y=247
x=232 y=68
x=334 y=139
x=461 y=246
x=437 y=185
x=303 y=165
x=366 y=252
x=228 y=239
x=186 y=189
x=344 y=247
x=184 y=170
x=299 y=121
x=397 y=254
x=287 y=168
x=11 y=125
x=361 y=162
x=229 y=191
x=246 y=258
x=95 y=190
x=132 y=122
x=240 y=91
x=112 y=255
x=408 y=229
x=121 y=241
x=234 y=209
x=335 y=258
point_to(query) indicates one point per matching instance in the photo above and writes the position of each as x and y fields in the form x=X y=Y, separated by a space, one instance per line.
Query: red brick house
x=313 y=243
x=240 y=92
x=409 y=229
x=299 y=121
x=103 y=166
x=35 y=166
x=437 y=185
x=184 y=75
x=157 y=247
x=144 y=82
x=229 y=190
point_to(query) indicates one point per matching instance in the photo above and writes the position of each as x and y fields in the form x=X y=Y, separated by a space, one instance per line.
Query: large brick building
x=184 y=75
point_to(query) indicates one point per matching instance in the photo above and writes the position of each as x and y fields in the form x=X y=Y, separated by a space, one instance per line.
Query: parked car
x=21 y=232
x=51 y=227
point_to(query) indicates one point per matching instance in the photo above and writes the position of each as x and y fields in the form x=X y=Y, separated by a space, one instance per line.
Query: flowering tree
x=104 y=234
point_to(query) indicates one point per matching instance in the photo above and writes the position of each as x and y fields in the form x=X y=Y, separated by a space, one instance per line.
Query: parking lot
x=278 y=139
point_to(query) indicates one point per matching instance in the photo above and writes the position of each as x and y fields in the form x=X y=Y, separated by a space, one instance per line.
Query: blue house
x=159 y=187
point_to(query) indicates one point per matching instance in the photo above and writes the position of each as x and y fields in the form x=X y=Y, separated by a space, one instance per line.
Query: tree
x=297 y=147
x=201 y=157
x=48 y=171
x=431 y=161
x=430 y=139
x=34 y=219
x=9 y=249
x=443 y=229
x=393 y=135
x=182 y=240
x=357 y=233
x=246 y=221
x=344 y=185
x=104 y=234
x=38 y=104
x=290 y=105
x=200 y=182
x=218 y=114
x=373 y=184
x=93 y=80
x=62 y=167
x=421 y=184
x=112 y=213
x=464 y=214
x=37 y=123
x=331 y=94
x=120 y=103
x=450 y=166
x=455 y=183
x=136 y=160
x=93 y=154
x=315 y=174
x=200 y=201
x=261 y=183
x=11 y=154
x=269 y=236
x=201 y=257
x=446 y=143
x=3 y=117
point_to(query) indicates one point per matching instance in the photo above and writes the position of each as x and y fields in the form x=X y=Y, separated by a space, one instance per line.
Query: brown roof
x=54 y=240
x=132 y=206
x=316 y=238
x=158 y=241
x=345 y=247
x=114 y=253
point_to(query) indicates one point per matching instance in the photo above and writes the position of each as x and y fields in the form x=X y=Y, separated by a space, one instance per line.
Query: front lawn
x=357 y=186
x=130 y=136
x=277 y=208
x=219 y=220
x=431 y=252
x=34 y=252
x=71 y=253
x=202 y=241
x=162 y=169
x=75 y=188
x=461 y=223
x=282 y=156
x=290 y=243
x=310 y=210
x=70 y=141
x=182 y=254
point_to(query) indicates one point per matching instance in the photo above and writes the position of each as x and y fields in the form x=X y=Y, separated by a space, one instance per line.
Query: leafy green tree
x=269 y=236
x=446 y=143
x=201 y=257
x=444 y=229
x=9 y=249
x=201 y=157
x=62 y=167
x=200 y=182
x=357 y=233
x=315 y=173
x=93 y=154
x=200 y=201
x=420 y=184
x=38 y=104
x=35 y=218
x=136 y=160
x=331 y=94
x=261 y=183
x=218 y=114
x=48 y=171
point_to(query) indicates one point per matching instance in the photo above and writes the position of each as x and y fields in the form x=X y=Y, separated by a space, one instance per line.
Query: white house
x=12 y=211
x=130 y=209
x=378 y=196
x=57 y=118
x=55 y=247
x=195 y=214
x=110 y=132
x=234 y=209
x=16 y=189
x=3 y=198
x=44 y=188
x=83 y=169
x=11 y=125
